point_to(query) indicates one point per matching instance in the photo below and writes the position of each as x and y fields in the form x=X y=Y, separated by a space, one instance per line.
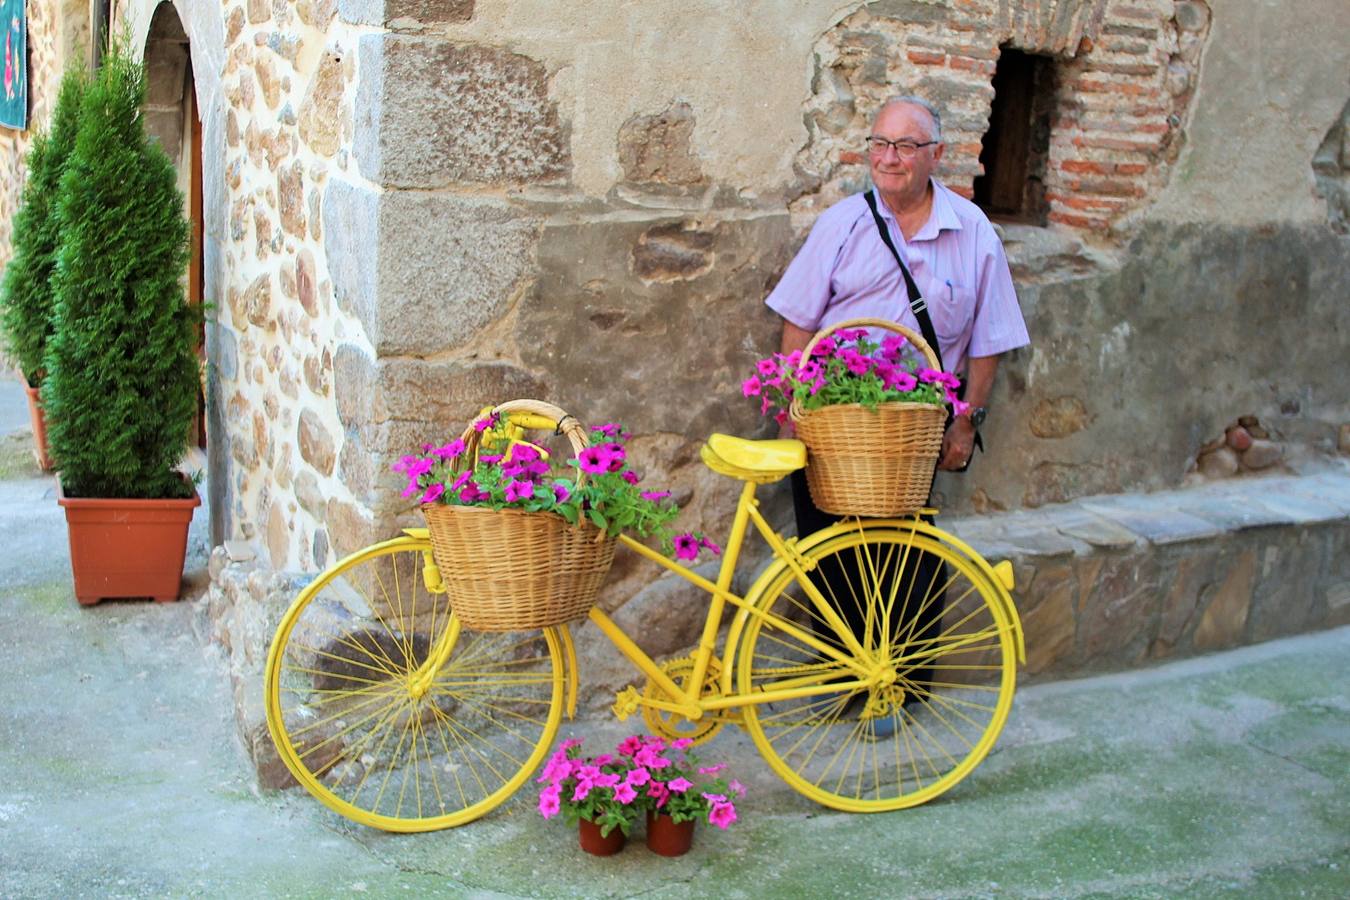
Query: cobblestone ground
x=1226 y=775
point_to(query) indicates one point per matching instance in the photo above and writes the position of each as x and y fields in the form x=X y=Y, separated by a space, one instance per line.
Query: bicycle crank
x=673 y=726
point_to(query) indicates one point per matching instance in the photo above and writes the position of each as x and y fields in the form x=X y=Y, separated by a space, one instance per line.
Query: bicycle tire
x=350 y=730
x=831 y=746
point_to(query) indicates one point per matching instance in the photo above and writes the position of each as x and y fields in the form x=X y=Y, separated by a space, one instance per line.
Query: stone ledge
x=1116 y=581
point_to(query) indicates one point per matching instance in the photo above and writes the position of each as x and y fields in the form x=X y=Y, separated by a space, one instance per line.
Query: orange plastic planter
x=596 y=844
x=39 y=421
x=127 y=548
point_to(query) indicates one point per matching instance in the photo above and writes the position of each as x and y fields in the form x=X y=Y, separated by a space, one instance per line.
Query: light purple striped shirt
x=844 y=271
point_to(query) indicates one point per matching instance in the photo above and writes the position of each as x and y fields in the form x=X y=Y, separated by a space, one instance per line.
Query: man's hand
x=957 y=444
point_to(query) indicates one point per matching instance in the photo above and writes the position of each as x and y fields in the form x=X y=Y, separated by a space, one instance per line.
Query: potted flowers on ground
x=606 y=794
x=871 y=417
x=121 y=371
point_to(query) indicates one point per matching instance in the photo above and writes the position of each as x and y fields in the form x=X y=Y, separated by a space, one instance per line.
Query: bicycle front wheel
x=353 y=730
x=940 y=654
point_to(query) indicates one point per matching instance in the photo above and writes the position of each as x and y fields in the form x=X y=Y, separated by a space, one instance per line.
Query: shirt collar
x=942 y=217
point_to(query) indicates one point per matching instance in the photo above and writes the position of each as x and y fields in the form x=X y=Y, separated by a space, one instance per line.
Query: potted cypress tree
x=121 y=372
x=27 y=292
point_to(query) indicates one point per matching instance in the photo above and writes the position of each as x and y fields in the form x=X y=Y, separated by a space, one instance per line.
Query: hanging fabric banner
x=14 y=99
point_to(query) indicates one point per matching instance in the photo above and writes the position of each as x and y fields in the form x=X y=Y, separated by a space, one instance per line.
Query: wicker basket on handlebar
x=513 y=570
x=871 y=462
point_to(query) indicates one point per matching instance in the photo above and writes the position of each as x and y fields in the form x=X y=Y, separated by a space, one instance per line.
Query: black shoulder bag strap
x=918 y=305
x=916 y=301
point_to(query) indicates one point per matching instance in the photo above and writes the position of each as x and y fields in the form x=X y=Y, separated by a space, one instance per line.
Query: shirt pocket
x=952 y=310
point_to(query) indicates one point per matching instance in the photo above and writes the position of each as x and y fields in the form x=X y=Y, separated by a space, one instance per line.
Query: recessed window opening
x=1016 y=146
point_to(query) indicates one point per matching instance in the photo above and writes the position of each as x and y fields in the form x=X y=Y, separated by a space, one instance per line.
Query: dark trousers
x=921 y=577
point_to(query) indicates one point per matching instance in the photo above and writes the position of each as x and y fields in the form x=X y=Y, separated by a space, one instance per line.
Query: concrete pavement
x=121 y=776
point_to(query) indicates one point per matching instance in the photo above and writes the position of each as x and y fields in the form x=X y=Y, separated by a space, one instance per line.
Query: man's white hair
x=914 y=101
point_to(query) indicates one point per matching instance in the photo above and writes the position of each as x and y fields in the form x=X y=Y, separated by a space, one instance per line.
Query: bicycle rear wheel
x=352 y=730
x=941 y=645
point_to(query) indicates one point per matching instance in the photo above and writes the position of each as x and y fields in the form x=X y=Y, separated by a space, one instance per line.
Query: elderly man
x=846 y=270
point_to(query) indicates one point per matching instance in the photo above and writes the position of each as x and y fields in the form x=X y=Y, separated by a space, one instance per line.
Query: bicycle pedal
x=626 y=703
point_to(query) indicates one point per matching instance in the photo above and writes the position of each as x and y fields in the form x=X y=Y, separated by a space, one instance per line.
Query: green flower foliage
x=26 y=293
x=122 y=375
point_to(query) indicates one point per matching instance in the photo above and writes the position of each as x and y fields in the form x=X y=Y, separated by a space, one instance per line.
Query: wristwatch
x=977 y=416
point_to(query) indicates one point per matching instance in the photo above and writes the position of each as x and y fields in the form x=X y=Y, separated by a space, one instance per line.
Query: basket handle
x=908 y=333
x=567 y=425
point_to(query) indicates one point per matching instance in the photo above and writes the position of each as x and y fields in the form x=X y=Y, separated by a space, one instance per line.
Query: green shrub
x=27 y=292
x=122 y=374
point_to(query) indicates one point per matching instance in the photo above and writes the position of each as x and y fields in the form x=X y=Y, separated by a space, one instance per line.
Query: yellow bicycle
x=391 y=714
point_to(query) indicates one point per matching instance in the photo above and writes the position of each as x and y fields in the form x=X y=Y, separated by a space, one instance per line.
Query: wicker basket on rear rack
x=871 y=462
x=513 y=570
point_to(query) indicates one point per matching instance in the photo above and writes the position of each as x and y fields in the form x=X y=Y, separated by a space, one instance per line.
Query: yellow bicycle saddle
x=761 y=461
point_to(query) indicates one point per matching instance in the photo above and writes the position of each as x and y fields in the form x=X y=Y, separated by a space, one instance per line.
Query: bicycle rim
x=352 y=732
x=936 y=626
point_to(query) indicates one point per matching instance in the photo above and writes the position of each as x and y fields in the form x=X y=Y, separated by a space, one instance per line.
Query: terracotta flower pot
x=667 y=837
x=39 y=421
x=127 y=548
x=592 y=842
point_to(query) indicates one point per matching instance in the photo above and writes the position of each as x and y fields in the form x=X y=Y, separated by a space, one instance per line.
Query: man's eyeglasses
x=904 y=149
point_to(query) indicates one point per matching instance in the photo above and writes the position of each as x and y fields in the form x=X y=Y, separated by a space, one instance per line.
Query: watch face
x=977 y=416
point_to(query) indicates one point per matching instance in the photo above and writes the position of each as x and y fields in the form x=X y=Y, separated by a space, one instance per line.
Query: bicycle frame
x=689 y=701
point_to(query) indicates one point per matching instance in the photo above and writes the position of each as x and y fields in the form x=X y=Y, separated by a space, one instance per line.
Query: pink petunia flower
x=490 y=458
x=471 y=493
x=629 y=745
x=658 y=792
x=722 y=815
x=560 y=492
x=900 y=380
x=686 y=546
x=679 y=785
x=824 y=348
x=523 y=453
x=631 y=477
x=655 y=495
x=737 y=788
x=616 y=456
x=412 y=488
x=450 y=450
x=682 y=743
x=593 y=461
x=638 y=777
x=711 y=547
x=461 y=480
x=856 y=362
x=624 y=793
x=751 y=387
x=519 y=490
x=651 y=757
x=767 y=368
x=892 y=345
x=929 y=376
x=485 y=423
x=433 y=493
x=549 y=801
x=711 y=770
x=609 y=429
